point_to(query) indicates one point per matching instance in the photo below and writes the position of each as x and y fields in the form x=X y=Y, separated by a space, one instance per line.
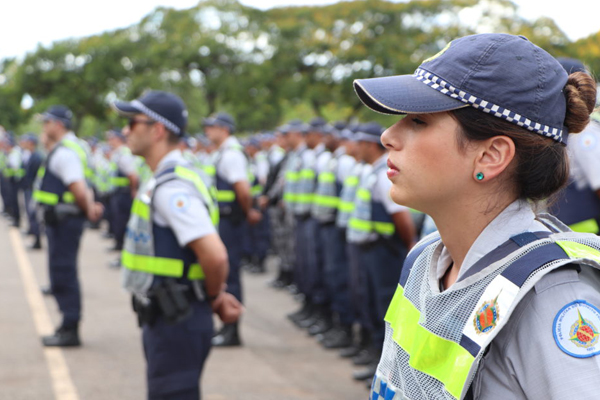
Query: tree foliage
x=261 y=66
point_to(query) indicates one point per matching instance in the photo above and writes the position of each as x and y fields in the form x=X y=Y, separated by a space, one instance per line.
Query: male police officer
x=66 y=200
x=579 y=204
x=235 y=205
x=125 y=183
x=170 y=247
x=33 y=163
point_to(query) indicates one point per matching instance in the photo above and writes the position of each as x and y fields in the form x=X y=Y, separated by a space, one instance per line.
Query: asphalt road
x=277 y=361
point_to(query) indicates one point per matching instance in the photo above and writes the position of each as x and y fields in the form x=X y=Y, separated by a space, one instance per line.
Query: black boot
x=63 y=337
x=228 y=336
x=37 y=244
x=46 y=290
x=358 y=346
x=302 y=313
x=338 y=338
x=366 y=373
x=322 y=325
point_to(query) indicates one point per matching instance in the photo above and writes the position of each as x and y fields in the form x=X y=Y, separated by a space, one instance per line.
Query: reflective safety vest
x=119 y=179
x=434 y=352
x=307 y=183
x=327 y=195
x=347 y=196
x=579 y=208
x=16 y=173
x=226 y=197
x=52 y=190
x=369 y=219
x=151 y=250
x=292 y=180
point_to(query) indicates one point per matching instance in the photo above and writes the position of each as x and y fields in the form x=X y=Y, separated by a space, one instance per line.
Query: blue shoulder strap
x=412 y=257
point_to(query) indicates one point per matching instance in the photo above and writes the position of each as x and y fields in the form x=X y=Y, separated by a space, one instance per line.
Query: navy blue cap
x=571 y=65
x=118 y=133
x=503 y=75
x=369 y=132
x=29 y=137
x=294 y=126
x=59 y=113
x=163 y=107
x=220 y=119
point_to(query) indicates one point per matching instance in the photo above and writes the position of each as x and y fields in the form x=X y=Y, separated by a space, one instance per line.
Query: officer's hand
x=263 y=202
x=254 y=217
x=228 y=308
x=95 y=212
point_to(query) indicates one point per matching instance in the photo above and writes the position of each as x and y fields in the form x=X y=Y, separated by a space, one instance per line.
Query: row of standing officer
x=348 y=238
x=18 y=171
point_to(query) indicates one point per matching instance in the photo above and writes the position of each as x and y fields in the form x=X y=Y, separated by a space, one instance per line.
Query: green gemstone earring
x=479 y=176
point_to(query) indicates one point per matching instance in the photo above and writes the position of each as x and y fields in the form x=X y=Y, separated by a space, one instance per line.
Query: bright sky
x=24 y=24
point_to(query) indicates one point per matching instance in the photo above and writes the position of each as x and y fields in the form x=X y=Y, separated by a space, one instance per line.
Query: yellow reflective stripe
x=119 y=181
x=140 y=209
x=327 y=201
x=68 y=197
x=256 y=190
x=307 y=174
x=578 y=250
x=304 y=198
x=363 y=194
x=289 y=197
x=346 y=206
x=48 y=198
x=196 y=272
x=443 y=359
x=153 y=265
x=351 y=181
x=384 y=228
x=360 y=224
x=326 y=177
x=226 y=196
x=209 y=170
x=589 y=226
x=292 y=176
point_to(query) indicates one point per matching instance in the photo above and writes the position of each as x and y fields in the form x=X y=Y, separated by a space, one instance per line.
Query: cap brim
x=403 y=94
x=125 y=109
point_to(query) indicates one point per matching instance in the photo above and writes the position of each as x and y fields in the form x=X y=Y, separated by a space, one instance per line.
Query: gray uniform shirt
x=524 y=361
x=179 y=206
x=66 y=164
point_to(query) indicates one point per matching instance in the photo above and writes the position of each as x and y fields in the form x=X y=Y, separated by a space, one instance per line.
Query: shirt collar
x=172 y=157
x=380 y=161
x=231 y=141
x=517 y=218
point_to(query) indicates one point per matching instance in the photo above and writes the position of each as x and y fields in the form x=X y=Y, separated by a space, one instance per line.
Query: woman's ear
x=494 y=156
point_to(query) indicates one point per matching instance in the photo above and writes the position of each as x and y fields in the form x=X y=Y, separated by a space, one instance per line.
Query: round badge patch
x=588 y=141
x=180 y=202
x=576 y=329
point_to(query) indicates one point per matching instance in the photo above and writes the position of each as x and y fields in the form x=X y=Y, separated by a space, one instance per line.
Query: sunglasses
x=133 y=121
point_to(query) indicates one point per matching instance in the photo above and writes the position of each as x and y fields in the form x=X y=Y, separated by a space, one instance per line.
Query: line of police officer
x=316 y=195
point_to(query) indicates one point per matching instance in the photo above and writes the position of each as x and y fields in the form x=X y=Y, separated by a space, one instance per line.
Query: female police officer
x=503 y=302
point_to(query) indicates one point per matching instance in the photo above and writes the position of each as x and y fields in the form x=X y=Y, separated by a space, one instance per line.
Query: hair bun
x=580 y=93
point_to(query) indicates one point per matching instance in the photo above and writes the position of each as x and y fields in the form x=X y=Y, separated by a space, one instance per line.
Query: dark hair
x=541 y=165
x=172 y=138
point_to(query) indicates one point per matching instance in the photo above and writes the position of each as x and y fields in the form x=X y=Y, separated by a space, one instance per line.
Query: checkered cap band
x=156 y=116
x=444 y=87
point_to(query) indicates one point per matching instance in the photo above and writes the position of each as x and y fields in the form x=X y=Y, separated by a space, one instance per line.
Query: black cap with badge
x=163 y=107
x=221 y=119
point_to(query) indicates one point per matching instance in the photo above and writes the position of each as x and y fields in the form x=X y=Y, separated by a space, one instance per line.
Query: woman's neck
x=460 y=224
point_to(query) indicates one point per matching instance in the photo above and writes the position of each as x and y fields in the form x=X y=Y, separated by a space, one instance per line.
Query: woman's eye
x=418 y=121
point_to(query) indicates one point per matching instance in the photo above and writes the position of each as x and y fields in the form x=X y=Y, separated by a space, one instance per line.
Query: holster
x=167 y=298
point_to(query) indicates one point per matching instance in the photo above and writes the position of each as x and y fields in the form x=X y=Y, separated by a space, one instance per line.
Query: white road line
x=63 y=386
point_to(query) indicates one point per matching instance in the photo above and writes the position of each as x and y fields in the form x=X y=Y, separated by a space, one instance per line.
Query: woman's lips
x=392 y=169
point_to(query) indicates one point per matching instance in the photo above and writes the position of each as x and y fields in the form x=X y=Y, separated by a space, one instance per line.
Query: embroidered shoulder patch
x=576 y=329
x=180 y=202
x=486 y=317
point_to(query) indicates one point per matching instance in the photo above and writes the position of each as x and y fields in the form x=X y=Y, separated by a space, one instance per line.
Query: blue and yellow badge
x=486 y=318
x=576 y=329
x=180 y=202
